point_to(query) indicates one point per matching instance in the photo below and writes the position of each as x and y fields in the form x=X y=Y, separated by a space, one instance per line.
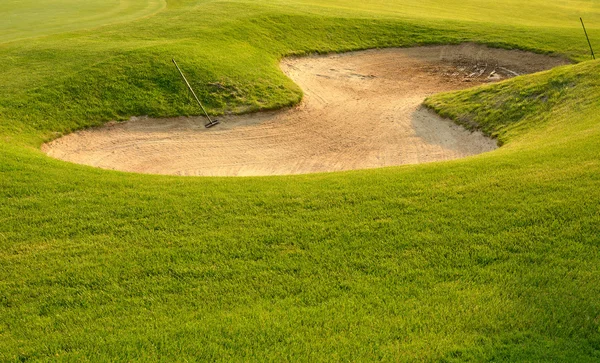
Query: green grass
x=23 y=19
x=494 y=257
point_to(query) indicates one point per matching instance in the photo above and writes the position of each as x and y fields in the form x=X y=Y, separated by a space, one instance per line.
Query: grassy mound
x=524 y=105
x=488 y=258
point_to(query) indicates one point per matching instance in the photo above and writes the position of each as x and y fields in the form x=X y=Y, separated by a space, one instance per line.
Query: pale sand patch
x=360 y=110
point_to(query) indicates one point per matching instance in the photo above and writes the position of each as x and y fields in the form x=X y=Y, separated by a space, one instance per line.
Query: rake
x=210 y=123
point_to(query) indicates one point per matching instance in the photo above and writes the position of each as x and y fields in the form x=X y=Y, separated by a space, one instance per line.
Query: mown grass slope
x=489 y=258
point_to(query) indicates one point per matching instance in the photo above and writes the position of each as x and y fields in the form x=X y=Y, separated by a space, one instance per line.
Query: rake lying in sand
x=210 y=123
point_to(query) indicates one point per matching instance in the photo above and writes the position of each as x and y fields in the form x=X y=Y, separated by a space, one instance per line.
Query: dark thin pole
x=210 y=122
x=588 y=38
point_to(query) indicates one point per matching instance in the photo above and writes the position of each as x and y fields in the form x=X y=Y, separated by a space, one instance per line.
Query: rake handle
x=194 y=93
x=588 y=38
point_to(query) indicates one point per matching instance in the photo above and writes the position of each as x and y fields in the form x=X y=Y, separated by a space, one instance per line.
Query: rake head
x=211 y=123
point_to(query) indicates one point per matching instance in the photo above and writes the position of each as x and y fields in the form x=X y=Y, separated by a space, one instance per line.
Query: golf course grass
x=23 y=19
x=490 y=258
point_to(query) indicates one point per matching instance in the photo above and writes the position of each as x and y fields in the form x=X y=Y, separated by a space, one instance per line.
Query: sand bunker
x=360 y=110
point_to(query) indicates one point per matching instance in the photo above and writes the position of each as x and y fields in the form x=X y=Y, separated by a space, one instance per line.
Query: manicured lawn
x=33 y=18
x=494 y=257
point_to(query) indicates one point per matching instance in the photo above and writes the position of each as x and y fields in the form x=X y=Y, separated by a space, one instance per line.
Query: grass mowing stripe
x=25 y=19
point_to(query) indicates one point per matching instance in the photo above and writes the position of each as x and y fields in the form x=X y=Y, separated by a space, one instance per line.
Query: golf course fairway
x=493 y=257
